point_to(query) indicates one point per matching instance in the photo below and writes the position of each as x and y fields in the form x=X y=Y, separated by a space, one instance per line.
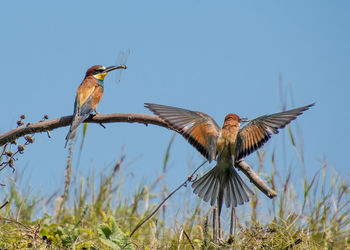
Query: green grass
x=308 y=213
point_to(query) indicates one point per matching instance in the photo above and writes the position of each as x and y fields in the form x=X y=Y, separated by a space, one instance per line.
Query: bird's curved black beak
x=108 y=69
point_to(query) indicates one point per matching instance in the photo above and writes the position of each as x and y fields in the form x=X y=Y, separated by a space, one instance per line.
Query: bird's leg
x=219 y=225
x=233 y=225
x=215 y=213
x=220 y=200
x=95 y=111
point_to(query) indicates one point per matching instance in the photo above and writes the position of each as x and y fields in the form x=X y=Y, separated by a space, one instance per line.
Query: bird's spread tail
x=222 y=185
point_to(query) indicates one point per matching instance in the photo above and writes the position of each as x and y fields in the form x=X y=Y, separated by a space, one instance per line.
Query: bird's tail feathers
x=222 y=186
x=77 y=120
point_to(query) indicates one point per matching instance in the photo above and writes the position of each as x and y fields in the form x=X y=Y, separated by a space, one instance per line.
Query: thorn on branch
x=103 y=126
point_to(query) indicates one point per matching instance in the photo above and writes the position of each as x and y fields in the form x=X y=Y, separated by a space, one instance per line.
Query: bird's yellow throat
x=101 y=76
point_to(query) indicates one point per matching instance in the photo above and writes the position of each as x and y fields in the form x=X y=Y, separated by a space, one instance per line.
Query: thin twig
x=3 y=205
x=298 y=241
x=130 y=243
x=161 y=204
x=16 y=222
x=28 y=228
x=188 y=238
x=10 y=161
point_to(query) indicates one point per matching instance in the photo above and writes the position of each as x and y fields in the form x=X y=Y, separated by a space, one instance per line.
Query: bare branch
x=45 y=126
x=66 y=121
x=258 y=182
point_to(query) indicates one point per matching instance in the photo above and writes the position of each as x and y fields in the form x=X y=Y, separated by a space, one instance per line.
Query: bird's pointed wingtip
x=310 y=105
x=149 y=105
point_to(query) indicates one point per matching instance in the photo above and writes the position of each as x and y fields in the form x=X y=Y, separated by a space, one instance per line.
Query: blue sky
x=217 y=58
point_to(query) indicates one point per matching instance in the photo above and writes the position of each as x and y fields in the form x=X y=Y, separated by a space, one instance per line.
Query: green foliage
x=63 y=236
x=111 y=236
x=101 y=223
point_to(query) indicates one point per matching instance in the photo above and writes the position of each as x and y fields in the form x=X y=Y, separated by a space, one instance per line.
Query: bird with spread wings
x=226 y=145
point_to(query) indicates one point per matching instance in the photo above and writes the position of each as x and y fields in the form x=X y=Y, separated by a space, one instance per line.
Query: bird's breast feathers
x=226 y=142
x=89 y=89
x=96 y=96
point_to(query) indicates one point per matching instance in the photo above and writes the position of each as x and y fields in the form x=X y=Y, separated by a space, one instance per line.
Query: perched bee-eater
x=89 y=95
x=226 y=145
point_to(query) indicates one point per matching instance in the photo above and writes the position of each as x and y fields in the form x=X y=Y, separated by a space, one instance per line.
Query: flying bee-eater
x=226 y=145
x=89 y=95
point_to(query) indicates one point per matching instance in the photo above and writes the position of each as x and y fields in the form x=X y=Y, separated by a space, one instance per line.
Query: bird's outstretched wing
x=258 y=131
x=199 y=129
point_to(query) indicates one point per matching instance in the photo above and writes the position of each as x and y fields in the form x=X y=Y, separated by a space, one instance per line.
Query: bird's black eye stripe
x=98 y=71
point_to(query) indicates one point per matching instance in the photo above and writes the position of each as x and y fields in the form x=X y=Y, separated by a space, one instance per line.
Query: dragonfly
x=121 y=60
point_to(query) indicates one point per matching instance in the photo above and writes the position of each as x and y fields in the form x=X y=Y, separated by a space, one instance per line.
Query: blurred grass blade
x=167 y=154
x=82 y=143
